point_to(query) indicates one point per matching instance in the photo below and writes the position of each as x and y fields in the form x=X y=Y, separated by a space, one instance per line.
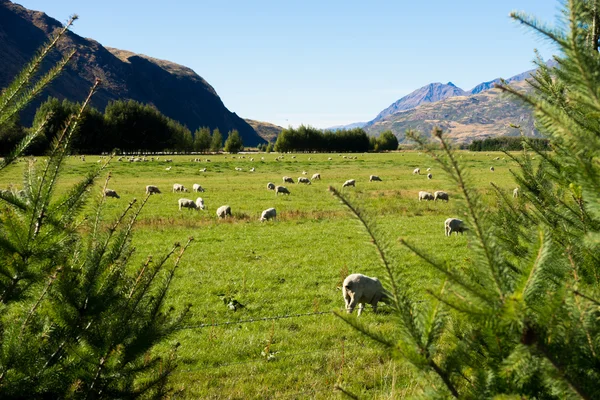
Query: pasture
x=293 y=265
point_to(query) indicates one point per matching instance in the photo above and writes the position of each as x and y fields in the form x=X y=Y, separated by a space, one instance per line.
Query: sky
x=318 y=62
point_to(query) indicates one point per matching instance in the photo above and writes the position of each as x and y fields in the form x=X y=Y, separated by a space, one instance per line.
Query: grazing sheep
x=360 y=289
x=287 y=179
x=428 y=169
x=329 y=158
x=168 y=168
x=270 y=186
x=200 y=203
x=111 y=193
x=425 y=196
x=238 y=169
x=492 y=169
x=454 y=225
x=203 y=170
x=151 y=189
x=268 y=214
x=349 y=182
x=316 y=176
x=187 y=203
x=440 y=195
x=304 y=180
x=252 y=169
x=179 y=188
x=197 y=188
x=516 y=192
x=223 y=211
x=429 y=176
x=374 y=178
x=304 y=173
x=417 y=171
x=281 y=189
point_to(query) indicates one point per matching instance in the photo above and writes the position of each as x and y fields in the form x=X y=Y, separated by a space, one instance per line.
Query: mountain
x=176 y=91
x=265 y=130
x=349 y=126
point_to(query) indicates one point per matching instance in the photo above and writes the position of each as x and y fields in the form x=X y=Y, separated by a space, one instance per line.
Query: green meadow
x=293 y=265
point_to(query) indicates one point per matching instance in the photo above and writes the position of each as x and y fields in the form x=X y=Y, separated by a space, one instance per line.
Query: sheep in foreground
x=516 y=193
x=268 y=214
x=287 y=179
x=316 y=176
x=454 y=225
x=197 y=188
x=151 y=189
x=303 y=179
x=179 y=188
x=200 y=203
x=429 y=176
x=282 y=190
x=223 y=211
x=417 y=171
x=270 y=186
x=111 y=193
x=194 y=205
x=374 y=178
x=439 y=195
x=349 y=182
x=361 y=289
x=425 y=196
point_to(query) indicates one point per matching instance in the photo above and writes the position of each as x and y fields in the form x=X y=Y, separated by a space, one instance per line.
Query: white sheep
x=282 y=190
x=417 y=171
x=492 y=169
x=197 y=188
x=151 y=189
x=203 y=170
x=111 y=193
x=223 y=211
x=238 y=169
x=179 y=188
x=316 y=176
x=425 y=196
x=303 y=179
x=360 y=289
x=187 y=203
x=441 y=196
x=270 y=186
x=268 y=214
x=287 y=179
x=454 y=225
x=304 y=173
x=200 y=203
x=516 y=192
x=374 y=178
x=429 y=176
x=168 y=168
x=349 y=182
x=252 y=169
x=428 y=169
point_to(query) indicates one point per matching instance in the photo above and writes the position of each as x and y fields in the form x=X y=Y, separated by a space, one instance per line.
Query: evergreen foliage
x=386 y=141
x=216 y=143
x=521 y=321
x=76 y=320
x=307 y=138
x=234 y=143
x=507 y=143
x=202 y=139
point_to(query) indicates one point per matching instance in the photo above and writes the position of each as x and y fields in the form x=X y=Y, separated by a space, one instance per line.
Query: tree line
x=507 y=143
x=125 y=125
x=310 y=139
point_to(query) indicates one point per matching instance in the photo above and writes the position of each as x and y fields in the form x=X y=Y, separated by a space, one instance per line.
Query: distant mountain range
x=464 y=115
x=176 y=91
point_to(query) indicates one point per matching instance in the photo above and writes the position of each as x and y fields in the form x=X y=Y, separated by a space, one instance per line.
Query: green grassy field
x=294 y=265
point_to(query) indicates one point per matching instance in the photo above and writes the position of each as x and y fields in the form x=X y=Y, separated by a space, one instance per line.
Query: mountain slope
x=266 y=130
x=175 y=90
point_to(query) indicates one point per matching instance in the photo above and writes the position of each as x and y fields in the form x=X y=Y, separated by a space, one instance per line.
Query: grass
x=294 y=265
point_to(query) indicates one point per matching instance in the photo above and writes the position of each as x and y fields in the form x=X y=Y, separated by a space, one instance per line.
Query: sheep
x=151 y=189
x=428 y=169
x=316 y=176
x=281 y=189
x=360 y=289
x=223 y=211
x=492 y=169
x=425 y=196
x=203 y=170
x=187 y=203
x=287 y=179
x=268 y=214
x=454 y=225
x=252 y=169
x=440 y=195
x=304 y=173
x=304 y=180
x=417 y=171
x=516 y=192
x=197 y=188
x=111 y=193
x=429 y=176
x=329 y=158
x=179 y=188
x=168 y=168
x=270 y=186
x=374 y=178
x=238 y=169
x=200 y=203
x=349 y=182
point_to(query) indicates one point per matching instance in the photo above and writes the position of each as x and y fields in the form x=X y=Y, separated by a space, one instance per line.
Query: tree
x=11 y=133
x=216 y=142
x=202 y=139
x=520 y=321
x=234 y=143
x=387 y=141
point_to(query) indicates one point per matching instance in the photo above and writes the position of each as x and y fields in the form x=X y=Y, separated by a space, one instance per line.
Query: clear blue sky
x=318 y=62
